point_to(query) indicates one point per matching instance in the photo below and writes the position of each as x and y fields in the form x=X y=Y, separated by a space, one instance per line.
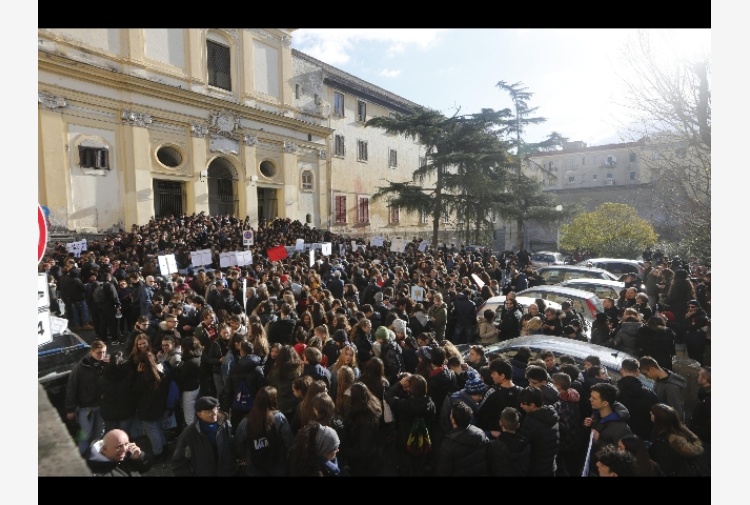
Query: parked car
x=602 y=288
x=555 y=274
x=610 y=358
x=585 y=303
x=617 y=266
x=496 y=303
x=474 y=249
x=544 y=258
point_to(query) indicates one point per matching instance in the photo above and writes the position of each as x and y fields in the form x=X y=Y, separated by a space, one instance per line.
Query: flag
x=277 y=253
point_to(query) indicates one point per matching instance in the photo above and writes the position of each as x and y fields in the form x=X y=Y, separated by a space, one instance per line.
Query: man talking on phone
x=116 y=456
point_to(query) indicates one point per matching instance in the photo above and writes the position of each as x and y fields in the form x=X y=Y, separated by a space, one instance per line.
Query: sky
x=575 y=76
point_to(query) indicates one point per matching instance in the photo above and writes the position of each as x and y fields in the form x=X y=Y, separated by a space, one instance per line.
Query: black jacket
x=116 y=386
x=250 y=369
x=194 y=455
x=442 y=382
x=541 y=429
x=83 y=384
x=100 y=466
x=407 y=409
x=638 y=399
x=509 y=455
x=657 y=343
x=150 y=401
x=464 y=310
x=282 y=331
x=463 y=453
x=493 y=403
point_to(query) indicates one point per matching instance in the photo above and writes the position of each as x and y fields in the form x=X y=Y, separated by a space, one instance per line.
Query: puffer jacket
x=116 y=385
x=509 y=455
x=487 y=332
x=676 y=454
x=83 y=384
x=669 y=391
x=626 y=337
x=407 y=409
x=541 y=428
x=463 y=453
x=194 y=455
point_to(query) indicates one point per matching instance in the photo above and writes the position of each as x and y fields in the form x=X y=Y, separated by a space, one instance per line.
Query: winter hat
x=382 y=333
x=475 y=385
x=326 y=440
x=399 y=326
x=425 y=352
x=206 y=403
x=340 y=336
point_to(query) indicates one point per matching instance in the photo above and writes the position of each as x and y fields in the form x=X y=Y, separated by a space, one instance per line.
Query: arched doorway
x=222 y=188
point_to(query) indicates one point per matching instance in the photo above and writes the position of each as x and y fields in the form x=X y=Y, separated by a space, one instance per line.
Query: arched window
x=307 y=180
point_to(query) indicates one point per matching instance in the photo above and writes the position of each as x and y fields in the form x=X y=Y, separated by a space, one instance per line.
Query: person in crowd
x=205 y=448
x=509 y=454
x=315 y=452
x=636 y=397
x=657 y=340
x=463 y=451
x=674 y=447
x=614 y=462
x=540 y=426
x=609 y=419
x=264 y=439
x=645 y=466
x=83 y=395
x=117 y=403
x=668 y=386
x=116 y=456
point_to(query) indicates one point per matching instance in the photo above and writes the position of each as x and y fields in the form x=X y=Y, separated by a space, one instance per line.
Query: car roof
x=611 y=358
x=556 y=288
x=598 y=282
x=577 y=268
x=522 y=300
x=606 y=260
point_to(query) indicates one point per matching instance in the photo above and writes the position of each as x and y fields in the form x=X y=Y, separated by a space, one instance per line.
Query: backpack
x=264 y=449
x=98 y=294
x=243 y=399
x=419 y=442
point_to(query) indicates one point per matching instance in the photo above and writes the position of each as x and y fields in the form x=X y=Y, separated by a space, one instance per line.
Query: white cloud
x=334 y=46
x=390 y=73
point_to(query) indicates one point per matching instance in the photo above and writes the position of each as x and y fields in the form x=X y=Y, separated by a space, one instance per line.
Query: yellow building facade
x=136 y=123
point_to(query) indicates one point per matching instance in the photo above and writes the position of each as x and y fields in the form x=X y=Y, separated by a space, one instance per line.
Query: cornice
x=113 y=79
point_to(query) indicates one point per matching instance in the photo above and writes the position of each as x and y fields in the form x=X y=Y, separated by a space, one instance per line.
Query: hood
x=571 y=395
x=250 y=361
x=684 y=447
x=546 y=414
x=674 y=378
x=471 y=436
x=619 y=413
x=95 y=452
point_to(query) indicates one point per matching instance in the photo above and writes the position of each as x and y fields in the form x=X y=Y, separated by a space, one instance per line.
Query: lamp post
x=559 y=208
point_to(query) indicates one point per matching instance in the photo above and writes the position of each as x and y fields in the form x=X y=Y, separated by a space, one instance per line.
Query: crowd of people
x=354 y=365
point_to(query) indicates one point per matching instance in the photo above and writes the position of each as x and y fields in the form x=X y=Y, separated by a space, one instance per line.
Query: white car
x=617 y=266
x=544 y=258
x=602 y=288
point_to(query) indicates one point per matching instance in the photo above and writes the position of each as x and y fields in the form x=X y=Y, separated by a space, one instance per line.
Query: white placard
x=244 y=258
x=342 y=250
x=229 y=258
x=377 y=241
x=167 y=264
x=312 y=257
x=479 y=281
x=290 y=249
x=325 y=248
x=44 y=325
x=417 y=293
x=354 y=245
x=423 y=246
x=398 y=244
x=299 y=245
x=244 y=293
x=59 y=325
x=201 y=257
x=76 y=247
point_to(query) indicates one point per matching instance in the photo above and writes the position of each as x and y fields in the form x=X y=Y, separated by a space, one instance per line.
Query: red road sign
x=42 y=233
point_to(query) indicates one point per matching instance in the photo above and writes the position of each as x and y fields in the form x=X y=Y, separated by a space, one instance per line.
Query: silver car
x=555 y=274
x=585 y=303
x=602 y=288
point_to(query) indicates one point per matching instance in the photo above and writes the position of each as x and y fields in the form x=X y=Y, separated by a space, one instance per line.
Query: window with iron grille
x=395 y=214
x=422 y=161
x=632 y=176
x=340 y=210
x=363 y=210
x=446 y=217
x=424 y=216
x=307 y=180
x=632 y=157
x=361 y=111
x=93 y=157
x=338 y=104
x=219 y=65
x=571 y=179
x=392 y=158
x=338 y=147
x=362 y=150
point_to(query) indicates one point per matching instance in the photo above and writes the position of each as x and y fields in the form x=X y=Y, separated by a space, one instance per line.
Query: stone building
x=135 y=123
